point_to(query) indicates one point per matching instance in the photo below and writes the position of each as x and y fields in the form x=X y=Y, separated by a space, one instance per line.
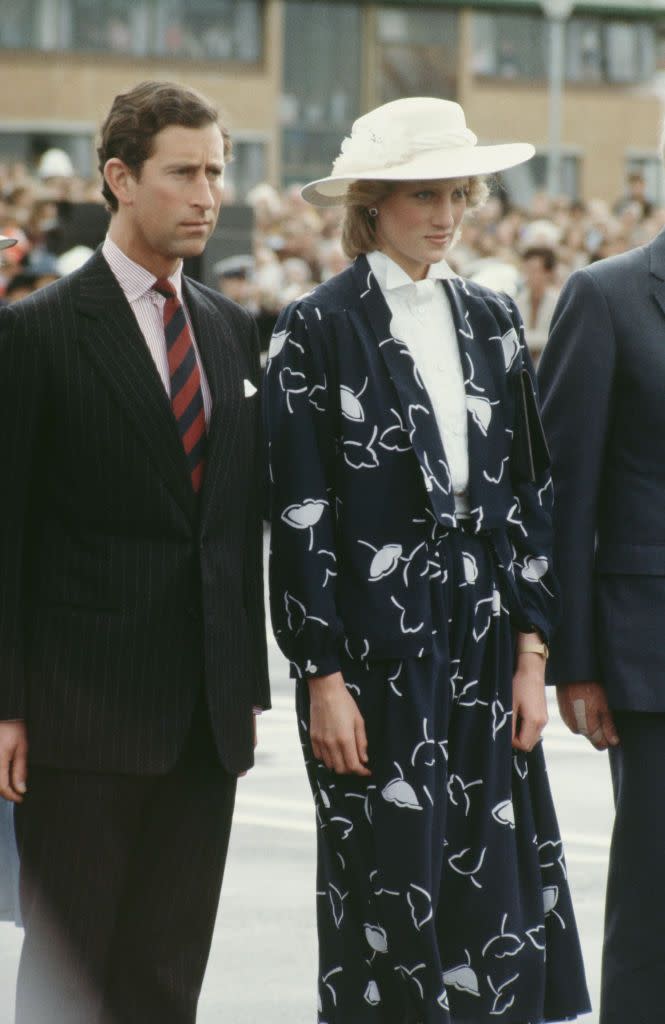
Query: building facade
x=290 y=77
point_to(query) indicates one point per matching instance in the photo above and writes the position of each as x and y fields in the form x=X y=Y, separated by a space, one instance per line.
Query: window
x=600 y=50
x=597 y=49
x=321 y=93
x=584 y=50
x=248 y=167
x=630 y=51
x=18 y=23
x=119 y=27
x=417 y=53
x=27 y=145
x=209 y=29
x=510 y=46
x=650 y=167
x=522 y=182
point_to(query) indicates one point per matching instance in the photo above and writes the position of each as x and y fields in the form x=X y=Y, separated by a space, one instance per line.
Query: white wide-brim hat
x=419 y=138
x=6 y=242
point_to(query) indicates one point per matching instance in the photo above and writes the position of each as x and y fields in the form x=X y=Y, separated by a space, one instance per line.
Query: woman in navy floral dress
x=411 y=589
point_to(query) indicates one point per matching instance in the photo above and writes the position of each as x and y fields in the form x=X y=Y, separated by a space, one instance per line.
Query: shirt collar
x=134 y=279
x=391 y=276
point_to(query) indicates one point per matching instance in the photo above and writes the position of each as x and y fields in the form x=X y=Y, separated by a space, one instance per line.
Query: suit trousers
x=120 y=882
x=634 y=946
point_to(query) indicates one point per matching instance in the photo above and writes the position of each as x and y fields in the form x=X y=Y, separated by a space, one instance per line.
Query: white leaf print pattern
x=305 y=516
x=511 y=346
x=499 y=717
x=420 y=904
x=535 y=568
x=292 y=382
x=481 y=412
x=361 y=456
x=464 y=865
x=503 y=1000
x=470 y=567
x=350 y=404
x=504 y=813
x=376 y=938
x=411 y=974
x=385 y=561
x=337 y=904
x=296 y=615
x=399 y=792
x=462 y=977
x=443 y=1000
x=550 y=901
x=396 y=437
x=536 y=936
x=504 y=944
x=372 y=994
x=458 y=791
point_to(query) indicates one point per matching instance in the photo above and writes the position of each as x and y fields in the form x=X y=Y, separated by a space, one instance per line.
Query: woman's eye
x=424 y=195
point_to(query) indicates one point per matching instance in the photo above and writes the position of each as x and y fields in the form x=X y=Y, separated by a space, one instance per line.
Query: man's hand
x=336 y=728
x=529 y=701
x=585 y=710
x=13 y=761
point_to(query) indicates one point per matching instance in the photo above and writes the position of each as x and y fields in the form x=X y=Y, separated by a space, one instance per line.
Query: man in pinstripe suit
x=132 y=638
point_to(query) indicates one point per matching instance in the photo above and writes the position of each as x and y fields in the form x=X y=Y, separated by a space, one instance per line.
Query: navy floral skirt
x=442 y=892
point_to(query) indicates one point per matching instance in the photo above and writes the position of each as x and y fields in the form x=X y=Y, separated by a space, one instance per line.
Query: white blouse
x=422 y=319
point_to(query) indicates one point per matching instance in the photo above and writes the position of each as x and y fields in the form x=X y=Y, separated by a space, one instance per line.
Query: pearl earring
x=373 y=212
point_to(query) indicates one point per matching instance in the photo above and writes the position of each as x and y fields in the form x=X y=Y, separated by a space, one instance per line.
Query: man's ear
x=120 y=180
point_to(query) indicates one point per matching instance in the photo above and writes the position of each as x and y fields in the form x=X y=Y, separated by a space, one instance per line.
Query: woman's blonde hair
x=359 y=228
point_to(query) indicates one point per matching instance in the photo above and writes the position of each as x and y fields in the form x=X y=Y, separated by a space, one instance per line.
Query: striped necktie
x=186 y=394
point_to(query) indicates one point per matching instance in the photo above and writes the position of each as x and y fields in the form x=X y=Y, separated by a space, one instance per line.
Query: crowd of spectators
x=527 y=251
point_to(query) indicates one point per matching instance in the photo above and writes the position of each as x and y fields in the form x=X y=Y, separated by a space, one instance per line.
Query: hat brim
x=460 y=162
x=6 y=242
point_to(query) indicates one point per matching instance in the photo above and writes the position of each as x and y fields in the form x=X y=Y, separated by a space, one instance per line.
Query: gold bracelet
x=531 y=647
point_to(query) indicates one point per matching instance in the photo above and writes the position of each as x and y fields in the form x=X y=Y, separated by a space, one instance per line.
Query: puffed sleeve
x=299 y=416
x=529 y=523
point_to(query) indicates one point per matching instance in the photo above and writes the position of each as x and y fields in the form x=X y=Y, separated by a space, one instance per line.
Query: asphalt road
x=263 y=960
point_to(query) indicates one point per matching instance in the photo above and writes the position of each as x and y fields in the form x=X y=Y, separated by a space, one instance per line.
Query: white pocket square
x=249 y=388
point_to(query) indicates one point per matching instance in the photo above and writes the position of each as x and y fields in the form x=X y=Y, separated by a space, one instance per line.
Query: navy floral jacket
x=359 y=483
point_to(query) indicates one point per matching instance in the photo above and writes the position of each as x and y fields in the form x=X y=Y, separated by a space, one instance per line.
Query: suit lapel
x=417 y=412
x=222 y=365
x=113 y=339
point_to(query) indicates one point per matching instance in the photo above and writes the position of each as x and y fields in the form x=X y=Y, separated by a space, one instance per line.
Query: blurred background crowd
x=58 y=217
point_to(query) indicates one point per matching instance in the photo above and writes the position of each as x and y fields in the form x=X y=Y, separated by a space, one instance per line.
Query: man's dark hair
x=137 y=116
x=542 y=253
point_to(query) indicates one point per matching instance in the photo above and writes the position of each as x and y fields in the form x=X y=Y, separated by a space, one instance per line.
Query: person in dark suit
x=601 y=378
x=412 y=591
x=132 y=637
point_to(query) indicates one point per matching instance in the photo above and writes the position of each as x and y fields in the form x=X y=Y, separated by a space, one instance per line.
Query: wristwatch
x=533 y=647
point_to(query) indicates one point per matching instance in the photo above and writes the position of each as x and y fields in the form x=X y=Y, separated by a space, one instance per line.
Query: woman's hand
x=336 y=728
x=529 y=702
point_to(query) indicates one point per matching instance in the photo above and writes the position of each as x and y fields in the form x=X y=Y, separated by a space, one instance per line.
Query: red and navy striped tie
x=186 y=394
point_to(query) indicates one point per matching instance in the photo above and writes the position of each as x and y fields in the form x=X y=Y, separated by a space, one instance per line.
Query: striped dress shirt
x=148 y=308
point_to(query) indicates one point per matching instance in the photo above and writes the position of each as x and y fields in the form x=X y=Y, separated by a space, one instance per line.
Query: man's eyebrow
x=186 y=165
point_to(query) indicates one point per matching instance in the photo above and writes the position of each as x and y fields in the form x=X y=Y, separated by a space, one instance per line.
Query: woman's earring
x=373 y=212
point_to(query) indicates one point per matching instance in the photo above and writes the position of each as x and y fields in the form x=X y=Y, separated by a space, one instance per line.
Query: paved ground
x=263 y=960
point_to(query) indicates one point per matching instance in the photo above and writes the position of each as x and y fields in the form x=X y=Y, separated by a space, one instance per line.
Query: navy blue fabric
x=601 y=378
x=442 y=885
x=359 y=477
x=634 y=949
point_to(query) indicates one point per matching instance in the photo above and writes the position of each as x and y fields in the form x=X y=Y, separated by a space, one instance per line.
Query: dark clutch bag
x=530 y=454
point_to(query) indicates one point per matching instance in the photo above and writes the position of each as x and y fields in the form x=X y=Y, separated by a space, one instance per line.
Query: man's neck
x=136 y=250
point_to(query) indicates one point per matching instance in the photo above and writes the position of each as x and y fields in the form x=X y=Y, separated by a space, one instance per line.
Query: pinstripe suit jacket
x=120 y=591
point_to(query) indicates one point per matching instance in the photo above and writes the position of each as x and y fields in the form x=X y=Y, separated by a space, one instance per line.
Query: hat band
x=373 y=153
